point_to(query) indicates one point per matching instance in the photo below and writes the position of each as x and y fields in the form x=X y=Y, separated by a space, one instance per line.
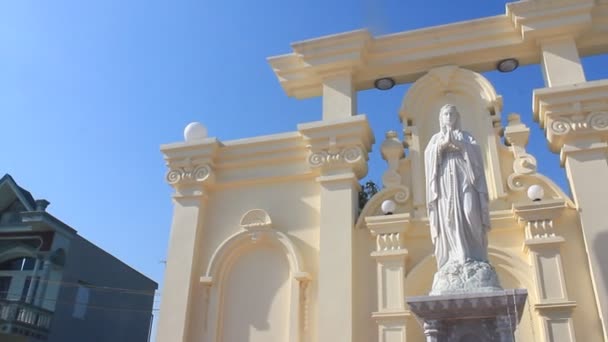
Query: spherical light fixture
x=195 y=131
x=536 y=193
x=507 y=65
x=388 y=207
x=385 y=83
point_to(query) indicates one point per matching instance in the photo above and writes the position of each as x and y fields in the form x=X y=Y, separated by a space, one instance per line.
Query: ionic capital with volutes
x=338 y=148
x=573 y=115
x=190 y=166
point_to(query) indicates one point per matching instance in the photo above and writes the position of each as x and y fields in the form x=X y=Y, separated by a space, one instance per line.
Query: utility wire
x=100 y=288
x=6 y=302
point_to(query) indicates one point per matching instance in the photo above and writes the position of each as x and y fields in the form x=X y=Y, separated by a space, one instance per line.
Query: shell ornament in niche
x=256 y=218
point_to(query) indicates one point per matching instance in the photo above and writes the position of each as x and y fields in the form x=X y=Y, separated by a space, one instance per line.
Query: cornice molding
x=546 y=19
x=476 y=45
x=214 y=164
x=547 y=307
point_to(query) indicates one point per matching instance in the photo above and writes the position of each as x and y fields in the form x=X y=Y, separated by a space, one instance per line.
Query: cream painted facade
x=267 y=243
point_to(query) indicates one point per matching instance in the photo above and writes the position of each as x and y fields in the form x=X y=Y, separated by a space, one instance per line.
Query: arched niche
x=513 y=272
x=478 y=104
x=257 y=237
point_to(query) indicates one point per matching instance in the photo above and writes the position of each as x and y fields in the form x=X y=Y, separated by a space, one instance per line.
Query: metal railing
x=24 y=319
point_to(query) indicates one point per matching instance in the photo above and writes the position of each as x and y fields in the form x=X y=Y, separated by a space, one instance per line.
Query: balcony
x=24 y=319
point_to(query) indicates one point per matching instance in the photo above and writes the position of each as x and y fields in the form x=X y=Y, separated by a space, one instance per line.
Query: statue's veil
x=457 y=125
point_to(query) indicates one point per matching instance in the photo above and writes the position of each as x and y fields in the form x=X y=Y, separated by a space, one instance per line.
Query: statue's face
x=449 y=116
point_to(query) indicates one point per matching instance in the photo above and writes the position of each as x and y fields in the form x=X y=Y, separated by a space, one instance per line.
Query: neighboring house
x=56 y=286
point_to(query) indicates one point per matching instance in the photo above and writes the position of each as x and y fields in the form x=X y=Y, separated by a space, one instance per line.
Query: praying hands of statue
x=449 y=140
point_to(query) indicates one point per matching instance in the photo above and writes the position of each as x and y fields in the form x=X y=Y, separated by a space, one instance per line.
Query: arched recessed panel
x=256 y=298
x=221 y=286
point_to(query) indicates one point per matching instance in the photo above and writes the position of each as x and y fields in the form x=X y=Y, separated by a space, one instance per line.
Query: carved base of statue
x=471 y=317
x=472 y=276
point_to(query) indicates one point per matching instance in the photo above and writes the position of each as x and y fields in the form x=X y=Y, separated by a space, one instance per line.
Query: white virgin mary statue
x=457 y=194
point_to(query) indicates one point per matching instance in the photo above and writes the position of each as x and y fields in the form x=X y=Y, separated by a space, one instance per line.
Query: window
x=5 y=285
x=81 y=301
x=18 y=264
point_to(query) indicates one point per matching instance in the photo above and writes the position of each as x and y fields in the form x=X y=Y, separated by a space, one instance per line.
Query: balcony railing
x=20 y=318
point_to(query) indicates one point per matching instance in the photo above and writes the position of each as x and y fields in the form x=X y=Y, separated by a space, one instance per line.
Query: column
x=40 y=296
x=33 y=281
x=338 y=155
x=339 y=96
x=575 y=119
x=560 y=62
x=338 y=196
x=390 y=256
x=587 y=173
x=191 y=181
x=543 y=247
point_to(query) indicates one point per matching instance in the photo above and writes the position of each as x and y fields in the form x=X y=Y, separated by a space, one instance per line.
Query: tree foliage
x=368 y=190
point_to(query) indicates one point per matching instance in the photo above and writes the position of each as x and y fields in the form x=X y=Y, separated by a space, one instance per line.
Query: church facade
x=268 y=243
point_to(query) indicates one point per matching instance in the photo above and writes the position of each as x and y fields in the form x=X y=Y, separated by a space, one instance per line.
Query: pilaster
x=560 y=62
x=191 y=175
x=391 y=256
x=334 y=62
x=575 y=119
x=411 y=135
x=338 y=153
x=339 y=96
x=542 y=244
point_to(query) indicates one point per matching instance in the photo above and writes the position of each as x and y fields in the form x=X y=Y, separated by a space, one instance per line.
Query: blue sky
x=90 y=89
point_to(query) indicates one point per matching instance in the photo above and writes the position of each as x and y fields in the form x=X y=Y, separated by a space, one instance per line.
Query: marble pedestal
x=467 y=317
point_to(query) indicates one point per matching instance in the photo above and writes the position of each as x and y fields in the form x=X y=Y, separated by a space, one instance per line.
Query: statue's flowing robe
x=457 y=199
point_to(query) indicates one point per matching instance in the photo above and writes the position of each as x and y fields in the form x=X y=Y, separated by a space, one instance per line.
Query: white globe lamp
x=536 y=192
x=195 y=131
x=388 y=207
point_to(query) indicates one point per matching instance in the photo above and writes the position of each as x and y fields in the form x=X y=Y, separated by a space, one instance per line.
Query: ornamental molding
x=573 y=112
x=336 y=157
x=389 y=231
x=256 y=227
x=347 y=158
x=524 y=164
x=373 y=208
x=389 y=242
x=577 y=123
x=255 y=232
x=563 y=129
x=538 y=220
x=189 y=175
x=338 y=147
x=256 y=219
x=540 y=229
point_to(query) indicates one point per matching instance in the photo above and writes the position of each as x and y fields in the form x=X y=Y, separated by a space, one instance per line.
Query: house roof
x=10 y=192
x=9 y=189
